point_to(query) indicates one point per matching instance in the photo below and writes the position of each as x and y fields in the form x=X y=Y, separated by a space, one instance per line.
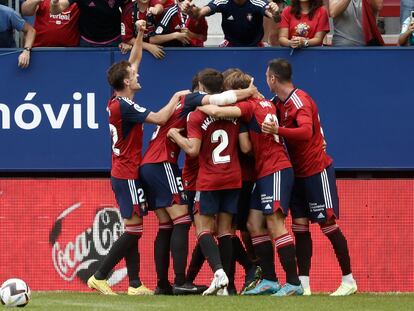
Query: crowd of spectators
x=179 y=23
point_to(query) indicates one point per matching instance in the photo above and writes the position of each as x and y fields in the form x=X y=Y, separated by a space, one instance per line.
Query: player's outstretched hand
x=270 y=128
x=252 y=88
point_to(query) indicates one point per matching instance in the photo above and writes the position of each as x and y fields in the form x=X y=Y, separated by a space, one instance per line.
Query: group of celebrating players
x=248 y=162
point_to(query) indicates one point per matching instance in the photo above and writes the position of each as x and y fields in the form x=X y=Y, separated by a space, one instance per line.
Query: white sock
x=304 y=280
x=348 y=279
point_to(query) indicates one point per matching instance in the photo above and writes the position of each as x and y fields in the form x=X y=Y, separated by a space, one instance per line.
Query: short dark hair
x=281 y=68
x=194 y=83
x=236 y=80
x=117 y=73
x=212 y=80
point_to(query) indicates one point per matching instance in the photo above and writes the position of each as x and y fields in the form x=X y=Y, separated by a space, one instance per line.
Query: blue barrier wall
x=53 y=118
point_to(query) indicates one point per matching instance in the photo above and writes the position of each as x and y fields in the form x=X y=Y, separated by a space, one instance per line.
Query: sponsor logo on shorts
x=315 y=207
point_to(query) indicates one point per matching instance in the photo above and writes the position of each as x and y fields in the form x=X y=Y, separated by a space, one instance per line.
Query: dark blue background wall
x=365 y=99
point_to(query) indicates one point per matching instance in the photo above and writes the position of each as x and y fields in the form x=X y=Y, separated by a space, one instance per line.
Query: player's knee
x=134 y=229
x=329 y=227
x=133 y=220
x=254 y=227
x=177 y=210
x=300 y=228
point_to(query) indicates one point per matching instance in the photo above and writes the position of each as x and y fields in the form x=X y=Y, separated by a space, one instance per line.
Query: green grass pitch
x=57 y=301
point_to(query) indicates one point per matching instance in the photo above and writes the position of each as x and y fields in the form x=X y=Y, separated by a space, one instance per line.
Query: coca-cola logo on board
x=80 y=254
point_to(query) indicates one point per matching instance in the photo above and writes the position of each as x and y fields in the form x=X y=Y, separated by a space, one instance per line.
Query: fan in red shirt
x=53 y=30
x=314 y=196
x=304 y=23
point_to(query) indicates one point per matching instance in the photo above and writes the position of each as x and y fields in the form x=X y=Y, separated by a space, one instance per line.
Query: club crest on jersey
x=249 y=17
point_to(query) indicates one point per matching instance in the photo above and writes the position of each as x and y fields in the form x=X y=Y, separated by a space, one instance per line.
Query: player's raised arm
x=136 y=53
x=161 y=117
x=190 y=146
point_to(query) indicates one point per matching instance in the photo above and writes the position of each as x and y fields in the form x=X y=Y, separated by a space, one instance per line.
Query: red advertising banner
x=54 y=232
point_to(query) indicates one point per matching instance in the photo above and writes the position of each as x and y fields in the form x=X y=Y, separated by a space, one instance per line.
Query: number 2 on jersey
x=222 y=137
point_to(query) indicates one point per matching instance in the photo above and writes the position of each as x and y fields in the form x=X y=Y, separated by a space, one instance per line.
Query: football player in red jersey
x=163 y=185
x=125 y=123
x=218 y=185
x=314 y=197
x=274 y=182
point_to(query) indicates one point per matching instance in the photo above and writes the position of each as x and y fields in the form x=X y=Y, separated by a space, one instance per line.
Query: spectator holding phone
x=407 y=29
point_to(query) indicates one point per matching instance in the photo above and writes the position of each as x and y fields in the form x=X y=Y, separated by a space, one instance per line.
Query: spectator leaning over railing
x=242 y=20
x=9 y=21
x=355 y=22
x=304 y=24
x=99 y=21
x=407 y=35
x=53 y=30
x=140 y=10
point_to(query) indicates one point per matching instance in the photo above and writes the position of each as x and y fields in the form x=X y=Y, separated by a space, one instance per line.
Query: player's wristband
x=27 y=49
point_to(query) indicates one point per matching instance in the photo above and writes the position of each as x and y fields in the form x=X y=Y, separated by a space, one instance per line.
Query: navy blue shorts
x=162 y=184
x=130 y=197
x=211 y=203
x=273 y=191
x=243 y=206
x=315 y=197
